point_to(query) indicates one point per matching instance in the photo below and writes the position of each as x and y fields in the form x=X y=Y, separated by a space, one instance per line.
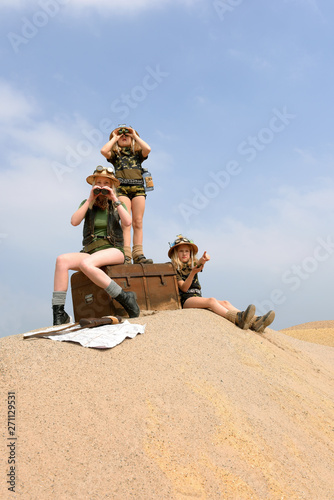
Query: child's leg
x=65 y=263
x=138 y=209
x=228 y=305
x=90 y=265
x=224 y=308
x=204 y=303
x=127 y=229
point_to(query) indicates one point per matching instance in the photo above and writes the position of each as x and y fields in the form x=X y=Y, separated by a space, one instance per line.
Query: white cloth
x=100 y=337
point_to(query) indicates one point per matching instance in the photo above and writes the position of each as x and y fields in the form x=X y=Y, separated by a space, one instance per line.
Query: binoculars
x=123 y=131
x=100 y=191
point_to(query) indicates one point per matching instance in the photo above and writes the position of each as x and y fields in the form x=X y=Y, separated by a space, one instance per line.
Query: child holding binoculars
x=103 y=215
x=127 y=151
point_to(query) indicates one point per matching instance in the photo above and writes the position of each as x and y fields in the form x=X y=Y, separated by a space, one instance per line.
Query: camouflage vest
x=114 y=231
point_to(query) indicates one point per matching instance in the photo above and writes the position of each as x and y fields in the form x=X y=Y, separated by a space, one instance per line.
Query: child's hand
x=205 y=258
x=132 y=133
x=198 y=268
x=92 y=196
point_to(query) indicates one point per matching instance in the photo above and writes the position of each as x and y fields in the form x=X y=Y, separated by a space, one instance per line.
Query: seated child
x=183 y=254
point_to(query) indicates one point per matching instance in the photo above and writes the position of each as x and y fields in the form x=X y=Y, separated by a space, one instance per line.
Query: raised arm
x=205 y=258
x=107 y=148
x=79 y=215
x=145 y=148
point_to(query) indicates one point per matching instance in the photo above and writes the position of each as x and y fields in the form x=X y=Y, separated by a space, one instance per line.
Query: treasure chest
x=154 y=284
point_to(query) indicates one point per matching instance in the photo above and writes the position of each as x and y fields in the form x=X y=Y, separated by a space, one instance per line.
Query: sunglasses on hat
x=100 y=169
x=180 y=239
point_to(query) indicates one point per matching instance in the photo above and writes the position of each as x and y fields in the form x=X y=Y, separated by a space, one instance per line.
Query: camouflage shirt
x=195 y=288
x=127 y=164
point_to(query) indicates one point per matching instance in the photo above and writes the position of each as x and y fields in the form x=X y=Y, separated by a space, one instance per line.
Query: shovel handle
x=105 y=320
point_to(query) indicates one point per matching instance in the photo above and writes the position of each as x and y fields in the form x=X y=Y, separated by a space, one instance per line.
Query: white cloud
x=285 y=229
x=34 y=190
x=14 y=105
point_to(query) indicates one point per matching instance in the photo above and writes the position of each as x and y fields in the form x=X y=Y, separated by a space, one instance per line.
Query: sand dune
x=193 y=408
x=318 y=332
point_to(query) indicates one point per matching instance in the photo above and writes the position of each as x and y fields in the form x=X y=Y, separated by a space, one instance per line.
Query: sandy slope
x=194 y=408
x=319 y=332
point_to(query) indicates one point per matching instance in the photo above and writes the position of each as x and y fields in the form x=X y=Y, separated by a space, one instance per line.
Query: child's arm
x=145 y=148
x=79 y=215
x=185 y=285
x=205 y=258
x=107 y=148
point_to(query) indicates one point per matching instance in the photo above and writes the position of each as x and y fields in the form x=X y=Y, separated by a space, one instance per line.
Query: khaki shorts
x=186 y=296
x=131 y=191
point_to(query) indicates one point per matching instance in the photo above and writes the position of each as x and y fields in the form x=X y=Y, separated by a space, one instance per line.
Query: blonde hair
x=134 y=147
x=176 y=261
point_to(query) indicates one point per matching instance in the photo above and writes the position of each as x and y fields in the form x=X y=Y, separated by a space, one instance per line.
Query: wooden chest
x=155 y=286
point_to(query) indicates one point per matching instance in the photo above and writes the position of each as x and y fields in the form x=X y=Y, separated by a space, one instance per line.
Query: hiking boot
x=129 y=301
x=243 y=318
x=127 y=260
x=141 y=259
x=261 y=322
x=60 y=317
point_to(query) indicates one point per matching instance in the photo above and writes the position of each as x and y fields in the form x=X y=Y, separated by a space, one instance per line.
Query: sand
x=194 y=408
x=318 y=332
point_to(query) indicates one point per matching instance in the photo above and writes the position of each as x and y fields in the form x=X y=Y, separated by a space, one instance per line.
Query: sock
x=136 y=251
x=127 y=251
x=113 y=289
x=58 y=298
x=231 y=315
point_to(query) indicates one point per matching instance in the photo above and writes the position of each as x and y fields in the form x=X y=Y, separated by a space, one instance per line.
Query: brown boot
x=127 y=254
x=243 y=318
x=138 y=256
x=141 y=259
x=259 y=323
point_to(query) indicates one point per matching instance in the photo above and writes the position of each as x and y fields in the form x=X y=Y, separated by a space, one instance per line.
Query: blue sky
x=235 y=99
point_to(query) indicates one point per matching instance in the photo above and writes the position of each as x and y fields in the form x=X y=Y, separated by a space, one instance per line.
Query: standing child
x=183 y=254
x=127 y=151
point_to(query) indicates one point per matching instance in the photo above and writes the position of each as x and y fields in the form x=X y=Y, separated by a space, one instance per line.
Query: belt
x=131 y=182
x=193 y=290
x=101 y=242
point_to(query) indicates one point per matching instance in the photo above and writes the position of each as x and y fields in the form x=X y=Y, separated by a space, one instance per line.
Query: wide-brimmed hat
x=182 y=240
x=103 y=172
x=122 y=126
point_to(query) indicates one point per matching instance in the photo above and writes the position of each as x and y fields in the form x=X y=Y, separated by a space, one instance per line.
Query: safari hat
x=122 y=126
x=107 y=172
x=182 y=240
